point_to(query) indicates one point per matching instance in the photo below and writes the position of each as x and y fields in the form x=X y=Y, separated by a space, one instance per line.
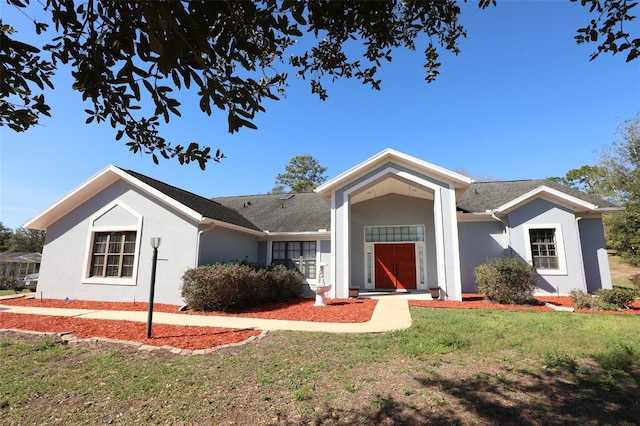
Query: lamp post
x=155 y=243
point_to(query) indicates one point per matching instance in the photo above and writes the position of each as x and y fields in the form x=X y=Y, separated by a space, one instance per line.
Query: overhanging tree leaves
x=229 y=53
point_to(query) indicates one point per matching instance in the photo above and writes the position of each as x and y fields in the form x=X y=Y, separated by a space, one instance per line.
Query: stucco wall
x=478 y=242
x=391 y=210
x=67 y=248
x=226 y=245
x=543 y=212
x=445 y=224
x=594 y=254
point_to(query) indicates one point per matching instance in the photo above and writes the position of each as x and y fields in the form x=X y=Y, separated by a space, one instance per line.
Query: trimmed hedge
x=506 y=280
x=238 y=286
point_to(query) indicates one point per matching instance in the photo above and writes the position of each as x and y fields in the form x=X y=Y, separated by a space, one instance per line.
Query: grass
x=593 y=352
x=10 y=292
x=450 y=367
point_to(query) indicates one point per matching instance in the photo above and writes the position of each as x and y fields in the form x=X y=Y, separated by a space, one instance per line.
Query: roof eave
x=95 y=184
x=456 y=179
x=551 y=195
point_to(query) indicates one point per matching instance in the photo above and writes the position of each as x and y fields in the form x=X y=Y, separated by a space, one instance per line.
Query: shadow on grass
x=598 y=391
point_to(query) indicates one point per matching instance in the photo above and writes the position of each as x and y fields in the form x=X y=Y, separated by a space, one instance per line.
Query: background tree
x=617 y=178
x=26 y=240
x=589 y=179
x=5 y=234
x=303 y=174
x=232 y=54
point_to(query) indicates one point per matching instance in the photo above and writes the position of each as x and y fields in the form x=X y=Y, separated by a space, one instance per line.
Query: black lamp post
x=155 y=243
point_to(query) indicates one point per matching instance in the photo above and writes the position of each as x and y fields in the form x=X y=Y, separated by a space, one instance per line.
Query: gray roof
x=483 y=196
x=302 y=212
x=20 y=257
x=308 y=212
x=204 y=206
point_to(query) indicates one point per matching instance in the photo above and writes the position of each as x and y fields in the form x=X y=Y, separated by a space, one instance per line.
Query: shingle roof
x=308 y=212
x=483 y=196
x=303 y=212
x=204 y=206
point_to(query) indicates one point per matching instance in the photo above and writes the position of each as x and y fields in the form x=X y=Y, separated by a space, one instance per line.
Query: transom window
x=544 y=250
x=300 y=255
x=113 y=254
x=375 y=234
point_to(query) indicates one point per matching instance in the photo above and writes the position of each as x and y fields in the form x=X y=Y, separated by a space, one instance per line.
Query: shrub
x=237 y=286
x=506 y=280
x=635 y=280
x=581 y=299
x=615 y=298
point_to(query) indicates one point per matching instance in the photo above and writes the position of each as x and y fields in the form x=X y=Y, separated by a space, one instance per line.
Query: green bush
x=506 y=280
x=581 y=299
x=238 y=286
x=635 y=280
x=615 y=298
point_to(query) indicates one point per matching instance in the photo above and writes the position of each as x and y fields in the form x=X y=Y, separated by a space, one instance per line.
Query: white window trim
x=562 y=258
x=293 y=239
x=137 y=228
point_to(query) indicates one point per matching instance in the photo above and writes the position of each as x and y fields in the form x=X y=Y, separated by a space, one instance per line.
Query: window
x=300 y=255
x=393 y=233
x=113 y=254
x=544 y=251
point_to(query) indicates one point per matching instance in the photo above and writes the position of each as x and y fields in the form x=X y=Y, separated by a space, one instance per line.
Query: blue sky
x=521 y=101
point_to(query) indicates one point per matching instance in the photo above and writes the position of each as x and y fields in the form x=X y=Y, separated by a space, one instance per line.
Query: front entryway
x=395 y=266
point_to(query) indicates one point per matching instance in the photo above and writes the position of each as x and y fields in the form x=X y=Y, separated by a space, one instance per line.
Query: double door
x=395 y=266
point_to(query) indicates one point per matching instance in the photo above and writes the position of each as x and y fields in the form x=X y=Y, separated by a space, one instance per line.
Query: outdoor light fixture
x=155 y=243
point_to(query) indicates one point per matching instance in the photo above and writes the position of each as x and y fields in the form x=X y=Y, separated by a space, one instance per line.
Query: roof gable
x=504 y=196
x=192 y=205
x=391 y=155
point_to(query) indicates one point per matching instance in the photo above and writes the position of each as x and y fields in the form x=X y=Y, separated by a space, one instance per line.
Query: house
x=393 y=222
x=17 y=265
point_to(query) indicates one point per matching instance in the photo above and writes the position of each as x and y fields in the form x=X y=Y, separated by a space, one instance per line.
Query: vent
x=286 y=196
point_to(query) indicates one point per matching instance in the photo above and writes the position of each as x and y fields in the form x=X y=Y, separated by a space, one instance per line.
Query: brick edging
x=67 y=337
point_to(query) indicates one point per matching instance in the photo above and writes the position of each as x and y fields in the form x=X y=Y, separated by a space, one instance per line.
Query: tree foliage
x=303 y=174
x=589 y=179
x=21 y=240
x=622 y=162
x=617 y=177
x=232 y=54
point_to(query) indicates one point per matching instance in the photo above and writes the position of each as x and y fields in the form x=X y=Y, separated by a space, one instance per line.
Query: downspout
x=209 y=228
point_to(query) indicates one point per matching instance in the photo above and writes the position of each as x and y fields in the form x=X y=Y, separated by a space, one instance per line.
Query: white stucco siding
x=392 y=210
x=64 y=270
x=594 y=254
x=226 y=245
x=478 y=241
x=540 y=213
x=444 y=218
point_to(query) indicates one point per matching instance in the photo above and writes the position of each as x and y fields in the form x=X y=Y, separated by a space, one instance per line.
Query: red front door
x=395 y=266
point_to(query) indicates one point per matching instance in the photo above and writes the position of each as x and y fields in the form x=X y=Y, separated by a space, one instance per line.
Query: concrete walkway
x=389 y=314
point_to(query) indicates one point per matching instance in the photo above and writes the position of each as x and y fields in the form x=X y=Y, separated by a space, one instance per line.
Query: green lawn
x=450 y=367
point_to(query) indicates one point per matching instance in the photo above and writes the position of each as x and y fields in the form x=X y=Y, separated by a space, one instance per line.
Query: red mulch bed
x=477 y=301
x=162 y=335
x=337 y=310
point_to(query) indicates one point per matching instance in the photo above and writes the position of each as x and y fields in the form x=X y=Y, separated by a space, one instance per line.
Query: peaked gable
x=194 y=206
x=390 y=155
x=503 y=195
